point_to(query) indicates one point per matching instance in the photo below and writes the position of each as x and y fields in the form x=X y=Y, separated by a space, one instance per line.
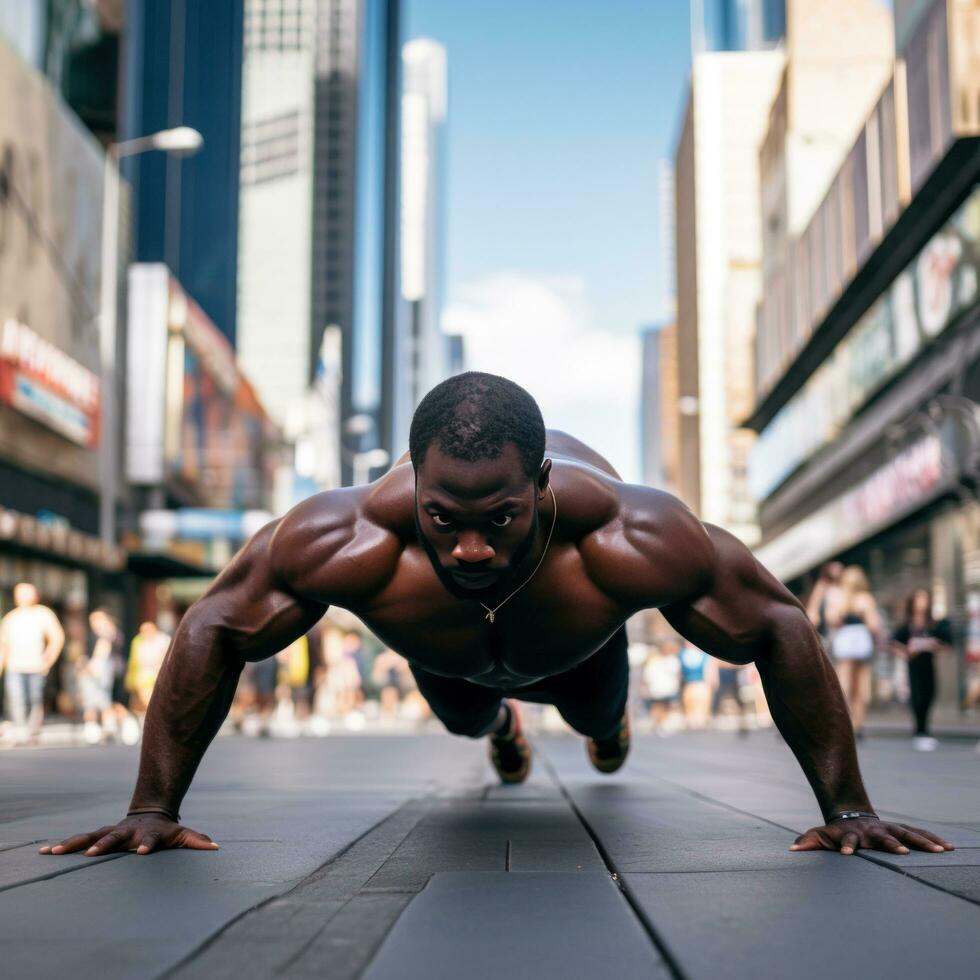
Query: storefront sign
x=938 y=285
x=902 y=485
x=43 y=382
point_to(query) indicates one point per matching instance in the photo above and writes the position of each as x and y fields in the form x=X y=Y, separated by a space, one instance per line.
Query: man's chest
x=554 y=622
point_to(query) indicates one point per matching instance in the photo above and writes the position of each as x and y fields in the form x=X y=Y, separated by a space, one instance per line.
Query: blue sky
x=559 y=113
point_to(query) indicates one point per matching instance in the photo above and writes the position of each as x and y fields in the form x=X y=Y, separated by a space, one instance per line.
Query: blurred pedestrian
x=852 y=616
x=695 y=692
x=341 y=693
x=728 y=692
x=661 y=684
x=918 y=640
x=146 y=654
x=822 y=594
x=95 y=679
x=31 y=639
x=391 y=676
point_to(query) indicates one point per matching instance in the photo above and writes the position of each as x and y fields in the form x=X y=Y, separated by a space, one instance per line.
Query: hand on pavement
x=872 y=834
x=142 y=833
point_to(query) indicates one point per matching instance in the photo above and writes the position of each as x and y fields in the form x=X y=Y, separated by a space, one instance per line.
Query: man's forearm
x=190 y=700
x=809 y=709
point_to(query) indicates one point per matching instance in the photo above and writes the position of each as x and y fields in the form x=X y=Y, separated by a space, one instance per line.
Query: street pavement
x=396 y=857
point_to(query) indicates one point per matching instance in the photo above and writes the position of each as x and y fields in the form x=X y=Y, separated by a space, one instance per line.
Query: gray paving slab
x=523 y=926
x=273 y=938
x=846 y=918
x=961 y=881
x=486 y=837
x=21 y=865
x=968 y=857
x=681 y=833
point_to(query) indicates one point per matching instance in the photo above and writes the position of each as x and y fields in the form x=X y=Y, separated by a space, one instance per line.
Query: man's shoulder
x=352 y=535
x=653 y=546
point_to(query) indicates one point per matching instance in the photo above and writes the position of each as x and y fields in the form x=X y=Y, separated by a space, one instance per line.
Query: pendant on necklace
x=489 y=615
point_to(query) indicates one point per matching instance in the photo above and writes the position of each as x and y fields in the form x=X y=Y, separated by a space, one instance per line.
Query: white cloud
x=540 y=333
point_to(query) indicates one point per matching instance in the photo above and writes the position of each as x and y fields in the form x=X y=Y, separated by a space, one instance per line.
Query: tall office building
x=426 y=357
x=719 y=246
x=319 y=220
x=182 y=66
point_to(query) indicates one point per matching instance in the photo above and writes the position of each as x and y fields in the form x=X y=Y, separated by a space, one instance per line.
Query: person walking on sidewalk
x=852 y=615
x=918 y=640
x=31 y=639
x=502 y=560
x=822 y=596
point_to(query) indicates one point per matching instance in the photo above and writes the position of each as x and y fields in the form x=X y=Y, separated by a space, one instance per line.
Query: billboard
x=51 y=172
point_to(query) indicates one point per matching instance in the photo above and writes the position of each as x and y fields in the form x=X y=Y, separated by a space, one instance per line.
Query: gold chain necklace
x=491 y=613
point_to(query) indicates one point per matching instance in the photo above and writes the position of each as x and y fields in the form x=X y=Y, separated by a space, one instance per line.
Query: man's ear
x=544 y=478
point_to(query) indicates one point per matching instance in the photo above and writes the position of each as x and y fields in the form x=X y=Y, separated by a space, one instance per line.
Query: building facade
x=319 y=222
x=51 y=384
x=868 y=380
x=719 y=246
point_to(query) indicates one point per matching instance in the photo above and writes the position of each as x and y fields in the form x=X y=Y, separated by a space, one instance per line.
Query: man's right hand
x=142 y=833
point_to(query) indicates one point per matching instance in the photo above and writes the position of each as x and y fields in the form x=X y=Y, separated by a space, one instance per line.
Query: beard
x=453 y=587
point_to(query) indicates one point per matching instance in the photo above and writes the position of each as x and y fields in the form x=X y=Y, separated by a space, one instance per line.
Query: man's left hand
x=847 y=836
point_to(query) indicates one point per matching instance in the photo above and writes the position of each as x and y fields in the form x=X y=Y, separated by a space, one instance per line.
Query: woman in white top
x=854 y=623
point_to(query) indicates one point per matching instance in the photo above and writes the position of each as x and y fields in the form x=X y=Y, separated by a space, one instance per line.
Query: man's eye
x=441 y=521
x=502 y=521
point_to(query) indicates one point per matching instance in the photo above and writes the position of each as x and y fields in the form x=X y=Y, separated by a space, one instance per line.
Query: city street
x=398 y=857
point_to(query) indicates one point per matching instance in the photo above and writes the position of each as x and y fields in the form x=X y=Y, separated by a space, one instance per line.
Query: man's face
x=476 y=521
x=25 y=595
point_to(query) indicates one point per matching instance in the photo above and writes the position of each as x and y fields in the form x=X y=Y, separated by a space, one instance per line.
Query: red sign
x=42 y=381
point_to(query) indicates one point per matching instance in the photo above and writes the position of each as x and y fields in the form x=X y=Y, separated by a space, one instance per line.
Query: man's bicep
x=252 y=604
x=733 y=618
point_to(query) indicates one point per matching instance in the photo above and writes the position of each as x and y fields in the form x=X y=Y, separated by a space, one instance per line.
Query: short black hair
x=473 y=415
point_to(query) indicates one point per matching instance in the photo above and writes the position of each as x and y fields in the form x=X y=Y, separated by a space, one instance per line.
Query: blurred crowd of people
x=338 y=679
x=856 y=635
x=328 y=680
x=681 y=688
x=82 y=674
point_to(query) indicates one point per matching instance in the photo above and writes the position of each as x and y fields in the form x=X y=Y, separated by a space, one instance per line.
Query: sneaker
x=92 y=733
x=925 y=743
x=609 y=755
x=510 y=753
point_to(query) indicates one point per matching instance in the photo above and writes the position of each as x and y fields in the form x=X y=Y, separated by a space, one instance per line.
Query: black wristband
x=854 y=815
x=163 y=811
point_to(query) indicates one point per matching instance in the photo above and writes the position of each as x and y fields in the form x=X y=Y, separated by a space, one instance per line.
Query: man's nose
x=471 y=546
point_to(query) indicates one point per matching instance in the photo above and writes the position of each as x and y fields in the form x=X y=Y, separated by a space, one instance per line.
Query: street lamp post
x=182 y=141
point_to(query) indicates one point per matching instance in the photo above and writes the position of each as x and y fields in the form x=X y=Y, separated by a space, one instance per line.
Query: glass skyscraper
x=737 y=25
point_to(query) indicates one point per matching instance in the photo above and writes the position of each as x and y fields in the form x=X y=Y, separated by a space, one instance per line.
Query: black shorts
x=591 y=696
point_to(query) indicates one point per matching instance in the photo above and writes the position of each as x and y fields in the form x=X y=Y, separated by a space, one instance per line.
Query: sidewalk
x=394 y=858
x=945 y=723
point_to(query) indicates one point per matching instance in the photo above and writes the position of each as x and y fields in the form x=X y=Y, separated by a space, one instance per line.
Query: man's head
x=477 y=445
x=25 y=594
